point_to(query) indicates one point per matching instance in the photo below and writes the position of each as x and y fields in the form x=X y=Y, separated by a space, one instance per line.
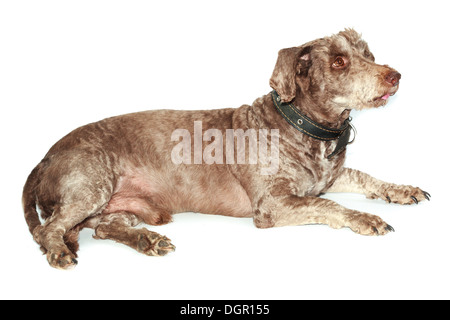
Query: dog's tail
x=29 y=198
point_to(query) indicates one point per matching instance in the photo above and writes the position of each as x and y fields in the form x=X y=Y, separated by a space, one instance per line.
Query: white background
x=67 y=63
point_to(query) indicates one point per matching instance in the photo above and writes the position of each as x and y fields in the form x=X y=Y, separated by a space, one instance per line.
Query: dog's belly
x=154 y=195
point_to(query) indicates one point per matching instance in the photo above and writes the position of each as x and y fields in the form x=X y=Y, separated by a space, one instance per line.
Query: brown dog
x=119 y=172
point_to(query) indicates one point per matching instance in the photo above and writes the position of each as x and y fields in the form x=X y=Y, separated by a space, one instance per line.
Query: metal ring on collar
x=352 y=127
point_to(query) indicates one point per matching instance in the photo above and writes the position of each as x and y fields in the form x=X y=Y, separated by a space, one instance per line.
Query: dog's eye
x=339 y=62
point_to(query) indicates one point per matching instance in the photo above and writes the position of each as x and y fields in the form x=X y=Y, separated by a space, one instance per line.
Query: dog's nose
x=393 y=78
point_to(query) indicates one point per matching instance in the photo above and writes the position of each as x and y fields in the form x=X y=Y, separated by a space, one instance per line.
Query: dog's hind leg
x=60 y=230
x=71 y=237
x=120 y=228
x=74 y=188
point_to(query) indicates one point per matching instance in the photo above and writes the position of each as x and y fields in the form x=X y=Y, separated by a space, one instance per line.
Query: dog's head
x=334 y=72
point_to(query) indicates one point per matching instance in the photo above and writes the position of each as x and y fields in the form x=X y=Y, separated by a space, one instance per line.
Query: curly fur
x=115 y=173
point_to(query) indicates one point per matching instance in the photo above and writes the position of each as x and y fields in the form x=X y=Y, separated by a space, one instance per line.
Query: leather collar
x=312 y=129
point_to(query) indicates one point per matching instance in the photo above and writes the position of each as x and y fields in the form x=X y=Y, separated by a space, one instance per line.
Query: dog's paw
x=154 y=244
x=63 y=259
x=401 y=194
x=368 y=224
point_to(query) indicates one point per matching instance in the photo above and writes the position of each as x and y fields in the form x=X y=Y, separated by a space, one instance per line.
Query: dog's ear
x=291 y=61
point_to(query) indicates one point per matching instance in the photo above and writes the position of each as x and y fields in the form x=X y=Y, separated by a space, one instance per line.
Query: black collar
x=307 y=126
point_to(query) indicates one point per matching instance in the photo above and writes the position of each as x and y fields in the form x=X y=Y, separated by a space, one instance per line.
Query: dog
x=144 y=167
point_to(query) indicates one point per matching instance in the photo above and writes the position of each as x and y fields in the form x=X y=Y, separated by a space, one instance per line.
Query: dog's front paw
x=368 y=224
x=401 y=194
